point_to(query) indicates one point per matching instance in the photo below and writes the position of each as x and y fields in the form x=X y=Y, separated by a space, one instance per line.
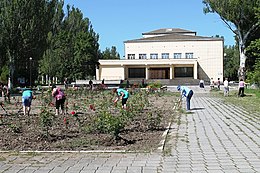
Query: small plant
x=46 y=119
x=15 y=128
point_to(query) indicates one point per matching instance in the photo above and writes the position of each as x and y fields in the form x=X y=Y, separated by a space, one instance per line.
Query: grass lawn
x=251 y=100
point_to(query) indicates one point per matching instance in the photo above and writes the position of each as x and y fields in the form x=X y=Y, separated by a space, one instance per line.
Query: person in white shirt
x=226 y=87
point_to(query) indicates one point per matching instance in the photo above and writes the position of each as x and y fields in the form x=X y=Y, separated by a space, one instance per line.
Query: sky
x=117 y=21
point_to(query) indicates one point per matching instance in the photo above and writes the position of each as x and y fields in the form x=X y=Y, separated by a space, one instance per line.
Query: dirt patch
x=86 y=131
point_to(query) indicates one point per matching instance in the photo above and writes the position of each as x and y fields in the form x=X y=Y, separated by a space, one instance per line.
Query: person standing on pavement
x=226 y=87
x=186 y=92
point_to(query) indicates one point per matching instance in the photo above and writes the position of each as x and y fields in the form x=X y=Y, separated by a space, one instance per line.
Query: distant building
x=167 y=54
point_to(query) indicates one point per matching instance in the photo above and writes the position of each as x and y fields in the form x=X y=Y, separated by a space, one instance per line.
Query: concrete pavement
x=214 y=137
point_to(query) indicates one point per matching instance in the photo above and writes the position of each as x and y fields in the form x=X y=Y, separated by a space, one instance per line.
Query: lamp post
x=30 y=71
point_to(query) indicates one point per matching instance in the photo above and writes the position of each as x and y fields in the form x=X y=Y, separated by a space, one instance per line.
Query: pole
x=30 y=71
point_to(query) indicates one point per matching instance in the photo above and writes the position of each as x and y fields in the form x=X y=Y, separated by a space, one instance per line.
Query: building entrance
x=159 y=73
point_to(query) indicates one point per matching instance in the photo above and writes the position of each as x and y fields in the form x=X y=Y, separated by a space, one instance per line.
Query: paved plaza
x=214 y=137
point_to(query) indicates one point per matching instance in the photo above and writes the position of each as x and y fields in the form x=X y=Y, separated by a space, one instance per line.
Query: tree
x=240 y=17
x=70 y=47
x=110 y=53
x=231 y=62
x=24 y=28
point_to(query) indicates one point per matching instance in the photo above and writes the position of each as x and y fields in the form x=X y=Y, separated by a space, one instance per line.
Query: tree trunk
x=243 y=57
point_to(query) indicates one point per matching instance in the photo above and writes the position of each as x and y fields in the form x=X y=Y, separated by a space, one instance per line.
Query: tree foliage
x=240 y=17
x=110 y=53
x=231 y=62
x=60 y=44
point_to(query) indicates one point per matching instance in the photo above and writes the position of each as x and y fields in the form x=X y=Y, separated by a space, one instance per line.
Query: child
x=121 y=94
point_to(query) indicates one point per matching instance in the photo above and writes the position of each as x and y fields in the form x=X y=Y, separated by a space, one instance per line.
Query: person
x=60 y=98
x=90 y=82
x=6 y=93
x=218 y=83
x=27 y=97
x=127 y=84
x=65 y=83
x=226 y=87
x=241 y=88
x=211 y=83
x=186 y=92
x=201 y=83
x=121 y=94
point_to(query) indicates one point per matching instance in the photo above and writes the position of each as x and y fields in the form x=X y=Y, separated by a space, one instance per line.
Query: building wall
x=111 y=72
x=208 y=53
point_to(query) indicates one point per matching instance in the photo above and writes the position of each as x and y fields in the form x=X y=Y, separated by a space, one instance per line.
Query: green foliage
x=4 y=74
x=241 y=17
x=108 y=123
x=110 y=53
x=46 y=120
x=254 y=76
x=156 y=84
x=231 y=62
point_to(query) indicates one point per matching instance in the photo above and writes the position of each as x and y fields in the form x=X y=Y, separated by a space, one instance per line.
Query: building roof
x=169 y=31
x=174 y=38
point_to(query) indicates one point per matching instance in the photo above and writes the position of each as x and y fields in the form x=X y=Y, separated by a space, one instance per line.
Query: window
x=136 y=72
x=142 y=56
x=154 y=56
x=165 y=55
x=189 y=55
x=131 y=56
x=177 y=55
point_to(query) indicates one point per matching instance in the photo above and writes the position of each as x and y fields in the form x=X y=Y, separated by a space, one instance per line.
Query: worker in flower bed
x=27 y=97
x=121 y=94
x=60 y=98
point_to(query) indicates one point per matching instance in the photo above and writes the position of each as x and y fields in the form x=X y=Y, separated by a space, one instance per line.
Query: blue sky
x=119 y=20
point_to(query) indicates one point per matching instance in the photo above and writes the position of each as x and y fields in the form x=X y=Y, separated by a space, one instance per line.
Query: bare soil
x=19 y=132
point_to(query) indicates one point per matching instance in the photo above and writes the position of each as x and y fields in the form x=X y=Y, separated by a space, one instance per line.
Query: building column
x=195 y=70
x=97 y=74
x=146 y=72
x=124 y=75
x=171 y=71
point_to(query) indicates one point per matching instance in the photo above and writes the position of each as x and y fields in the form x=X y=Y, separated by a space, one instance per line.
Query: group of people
x=121 y=93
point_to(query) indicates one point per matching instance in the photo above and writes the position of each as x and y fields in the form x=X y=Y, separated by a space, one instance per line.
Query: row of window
x=163 y=56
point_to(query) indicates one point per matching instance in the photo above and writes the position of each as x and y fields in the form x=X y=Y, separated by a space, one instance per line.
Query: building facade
x=167 y=54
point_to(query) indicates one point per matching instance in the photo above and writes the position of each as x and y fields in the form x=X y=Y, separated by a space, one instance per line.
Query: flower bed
x=92 y=122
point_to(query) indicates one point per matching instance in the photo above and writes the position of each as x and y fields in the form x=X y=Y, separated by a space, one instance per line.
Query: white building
x=167 y=54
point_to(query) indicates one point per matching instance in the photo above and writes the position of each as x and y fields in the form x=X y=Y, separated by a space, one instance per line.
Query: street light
x=30 y=71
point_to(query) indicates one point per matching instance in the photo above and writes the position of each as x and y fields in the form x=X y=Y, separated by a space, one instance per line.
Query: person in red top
x=241 y=88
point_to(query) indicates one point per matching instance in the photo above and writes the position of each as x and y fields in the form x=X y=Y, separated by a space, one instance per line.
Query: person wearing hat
x=186 y=92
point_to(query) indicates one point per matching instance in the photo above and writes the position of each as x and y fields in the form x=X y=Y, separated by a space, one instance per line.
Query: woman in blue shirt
x=186 y=92
x=27 y=100
x=122 y=94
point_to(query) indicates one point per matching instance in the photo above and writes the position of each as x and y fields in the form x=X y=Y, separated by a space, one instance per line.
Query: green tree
x=73 y=45
x=240 y=17
x=24 y=27
x=110 y=53
x=231 y=62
